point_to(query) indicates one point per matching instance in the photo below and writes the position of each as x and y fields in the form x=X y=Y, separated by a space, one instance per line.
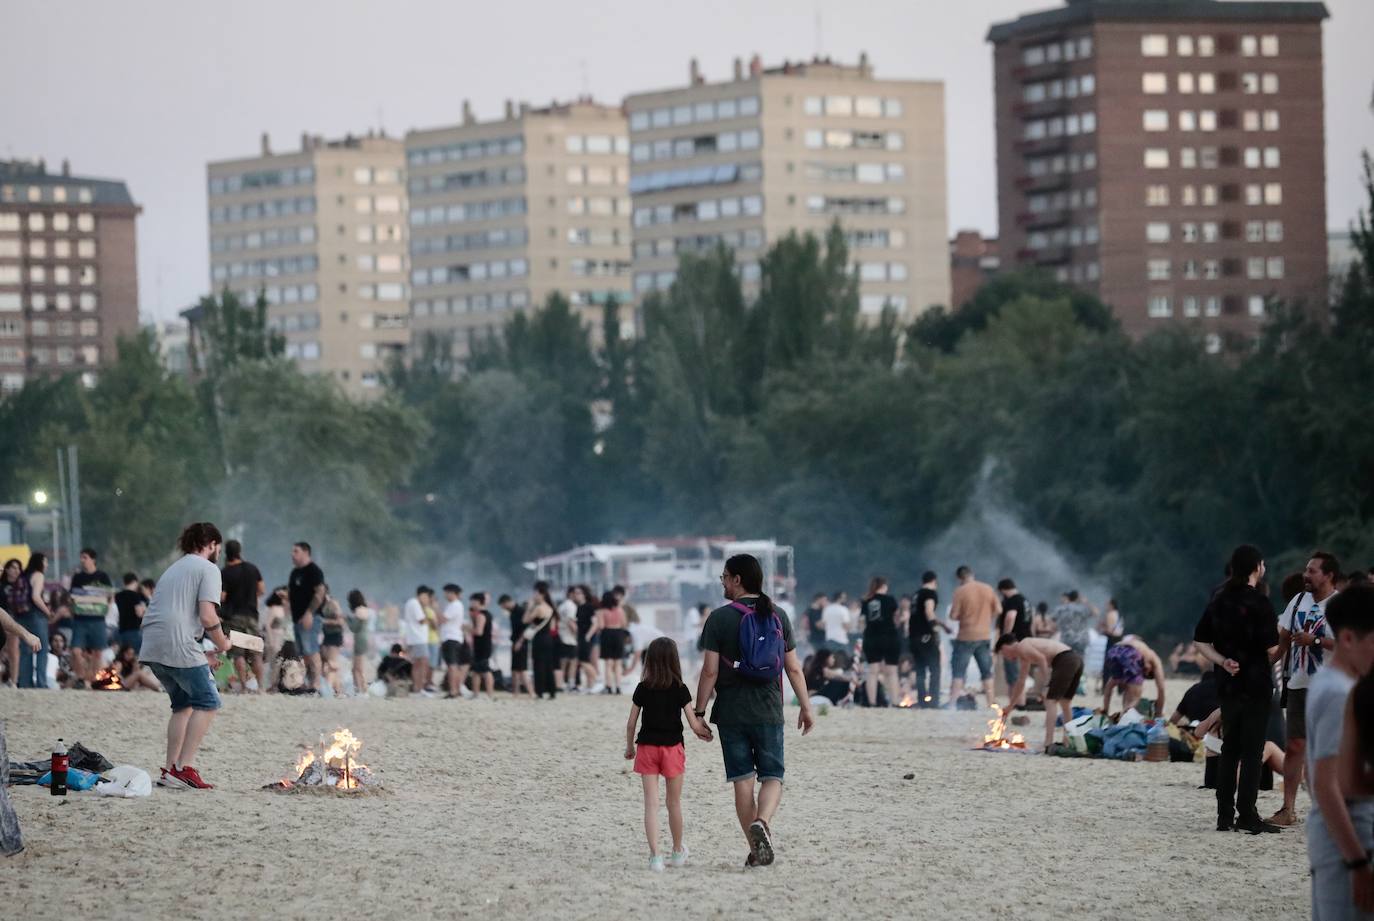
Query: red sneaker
x=191 y=778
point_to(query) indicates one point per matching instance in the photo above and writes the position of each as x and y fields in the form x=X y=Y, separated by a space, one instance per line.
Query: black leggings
x=927 y=656
x=545 y=664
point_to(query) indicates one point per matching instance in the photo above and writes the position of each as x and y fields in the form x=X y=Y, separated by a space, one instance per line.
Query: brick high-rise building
x=973 y=260
x=1166 y=154
x=68 y=272
x=747 y=160
x=321 y=232
x=504 y=213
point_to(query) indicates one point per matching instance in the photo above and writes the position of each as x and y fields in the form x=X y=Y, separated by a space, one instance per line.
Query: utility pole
x=65 y=501
x=75 y=513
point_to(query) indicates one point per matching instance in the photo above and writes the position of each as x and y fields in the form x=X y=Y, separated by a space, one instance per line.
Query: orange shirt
x=975 y=607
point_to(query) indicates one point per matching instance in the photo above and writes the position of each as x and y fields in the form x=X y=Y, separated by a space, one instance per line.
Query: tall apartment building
x=504 y=213
x=796 y=147
x=68 y=272
x=320 y=231
x=1166 y=154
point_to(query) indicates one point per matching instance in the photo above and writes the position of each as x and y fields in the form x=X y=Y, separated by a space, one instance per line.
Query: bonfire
x=332 y=767
x=107 y=679
x=997 y=738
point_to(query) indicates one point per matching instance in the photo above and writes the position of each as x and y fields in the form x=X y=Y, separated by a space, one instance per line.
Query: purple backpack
x=761 y=645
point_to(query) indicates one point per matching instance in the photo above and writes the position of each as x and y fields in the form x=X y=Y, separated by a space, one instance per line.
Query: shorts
x=481 y=666
x=417 y=652
x=612 y=644
x=979 y=650
x=89 y=633
x=360 y=646
x=1297 y=714
x=333 y=638
x=243 y=623
x=308 y=641
x=567 y=651
x=751 y=751
x=132 y=638
x=882 y=649
x=1124 y=664
x=584 y=649
x=667 y=760
x=192 y=688
x=452 y=652
x=1066 y=671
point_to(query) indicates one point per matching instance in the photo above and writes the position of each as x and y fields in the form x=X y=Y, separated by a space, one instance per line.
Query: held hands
x=702 y=731
x=1231 y=666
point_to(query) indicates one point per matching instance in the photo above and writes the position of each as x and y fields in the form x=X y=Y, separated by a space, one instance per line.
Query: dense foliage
x=785 y=415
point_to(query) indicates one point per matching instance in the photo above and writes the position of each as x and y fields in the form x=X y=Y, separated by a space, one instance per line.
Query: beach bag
x=761 y=645
x=126 y=781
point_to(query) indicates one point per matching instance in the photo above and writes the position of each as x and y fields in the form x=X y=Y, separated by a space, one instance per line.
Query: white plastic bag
x=1131 y=717
x=125 y=780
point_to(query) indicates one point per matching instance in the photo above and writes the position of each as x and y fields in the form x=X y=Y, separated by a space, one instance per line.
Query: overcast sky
x=150 y=90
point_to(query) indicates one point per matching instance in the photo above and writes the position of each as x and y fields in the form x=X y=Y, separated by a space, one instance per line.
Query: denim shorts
x=132 y=638
x=308 y=641
x=751 y=751
x=192 y=687
x=979 y=650
x=89 y=633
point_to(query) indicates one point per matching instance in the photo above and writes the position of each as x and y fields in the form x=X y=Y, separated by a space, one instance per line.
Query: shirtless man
x=1127 y=665
x=1062 y=664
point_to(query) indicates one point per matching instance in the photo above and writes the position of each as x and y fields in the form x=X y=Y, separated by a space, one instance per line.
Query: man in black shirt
x=925 y=642
x=305 y=593
x=815 y=628
x=91 y=592
x=131 y=606
x=1238 y=633
x=242 y=587
x=1016 y=620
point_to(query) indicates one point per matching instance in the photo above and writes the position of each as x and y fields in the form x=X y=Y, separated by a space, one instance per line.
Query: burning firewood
x=334 y=768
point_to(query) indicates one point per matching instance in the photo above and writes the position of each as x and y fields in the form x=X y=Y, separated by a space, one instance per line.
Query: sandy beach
x=516 y=809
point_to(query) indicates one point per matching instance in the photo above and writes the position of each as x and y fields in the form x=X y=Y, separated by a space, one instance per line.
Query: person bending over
x=1062 y=664
x=1128 y=663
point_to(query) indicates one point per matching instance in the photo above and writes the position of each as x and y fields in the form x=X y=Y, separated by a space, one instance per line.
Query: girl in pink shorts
x=661 y=699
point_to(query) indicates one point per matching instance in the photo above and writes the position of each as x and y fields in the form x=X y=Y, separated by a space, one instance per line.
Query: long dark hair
x=17 y=564
x=750 y=574
x=541 y=592
x=38 y=562
x=662 y=668
x=356 y=600
x=874 y=584
x=815 y=669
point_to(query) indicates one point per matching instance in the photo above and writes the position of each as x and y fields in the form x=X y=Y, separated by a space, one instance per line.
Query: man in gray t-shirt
x=1340 y=830
x=185 y=608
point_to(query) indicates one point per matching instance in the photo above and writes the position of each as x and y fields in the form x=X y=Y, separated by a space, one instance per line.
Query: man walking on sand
x=748 y=713
x=975 y=608
x=305 y=591
x=185 y=608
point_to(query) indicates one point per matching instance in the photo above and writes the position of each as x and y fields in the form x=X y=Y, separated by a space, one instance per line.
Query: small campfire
x=107 y=679
x=907 y=702
x=332 y=766
x=997 y=738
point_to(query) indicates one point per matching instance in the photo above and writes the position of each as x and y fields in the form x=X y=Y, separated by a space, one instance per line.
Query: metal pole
x=62 y=495
x=56 y=551
x=75 y=512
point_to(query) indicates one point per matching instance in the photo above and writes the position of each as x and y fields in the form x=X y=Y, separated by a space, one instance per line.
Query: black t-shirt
x=301 y=588
x=877 y=613
x=660 y=718
x=586 y=616
x=921 y=629
x=1241 y=624
x=1021 y=627
x=127 y=601
x=1201 y=699
x=240 y=584
x=481 y=644
x=814 y=625
x=517 y=629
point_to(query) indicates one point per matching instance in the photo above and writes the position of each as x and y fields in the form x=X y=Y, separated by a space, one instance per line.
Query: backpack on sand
x=761 y=645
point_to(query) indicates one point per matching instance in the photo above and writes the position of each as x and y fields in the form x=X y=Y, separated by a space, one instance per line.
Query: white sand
x=528 y=810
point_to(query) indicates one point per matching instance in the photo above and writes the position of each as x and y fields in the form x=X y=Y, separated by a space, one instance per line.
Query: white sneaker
x=678 y=859
x=599 y=688
x=464 y=693
x=656 y=863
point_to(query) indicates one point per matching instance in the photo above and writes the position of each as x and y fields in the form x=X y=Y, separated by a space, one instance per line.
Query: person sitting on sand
x=1273 y=757
x=824 y=677
x=1184 y=660
x=395 y=669
x=1127 y=665
x=1062 y=664
x=133 y=675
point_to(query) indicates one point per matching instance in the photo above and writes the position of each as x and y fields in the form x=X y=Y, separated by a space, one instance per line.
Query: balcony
x=1050 y=182
x=1033 y=220
x=1029 y=73
x=1042 y=108
x=1035 y=147
x=1052 y=255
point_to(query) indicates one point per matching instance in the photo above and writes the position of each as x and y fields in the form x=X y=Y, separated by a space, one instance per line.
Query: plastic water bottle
x=58 y=784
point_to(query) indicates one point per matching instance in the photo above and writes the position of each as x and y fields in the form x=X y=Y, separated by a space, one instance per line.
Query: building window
x=1254 y=267
x=1188 y=232
x=1211 y=306
x=1187 y=121
x=1211 y=232
x=1271 y=157
x=1154 y=46
x=1252 y=157
x=1206 y=46
x=1156 y=195
x=1187 y=157
x=1185 y=83
x=1273 y=231
x=1269 y=46
x=1157 y=269
x=1249 y=83
x=1271 y=120
x=1190 y=306
x=1254 y=231
x=1190 y=271
x=1156 y=158
x=1157 y=232
x=1154 y=83
x=1211 y=270
x=1270 y=83
x=1206 y=83
x=1254 y=194
x=1160 y=306
x=1158 y=120
x=1256 y=305
x=1207 y=120
x=1249 y=46
x=1273 y=193
x=1212 y=342
x=1183 y=46
x=1275 y=266
x=1250 y=120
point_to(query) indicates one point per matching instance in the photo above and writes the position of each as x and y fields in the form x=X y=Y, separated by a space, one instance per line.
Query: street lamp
x=40 y=497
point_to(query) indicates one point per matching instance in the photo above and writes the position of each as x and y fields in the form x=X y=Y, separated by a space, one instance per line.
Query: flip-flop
x=761 y=842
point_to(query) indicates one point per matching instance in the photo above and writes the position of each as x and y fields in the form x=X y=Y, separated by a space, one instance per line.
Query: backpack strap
x=742 y=607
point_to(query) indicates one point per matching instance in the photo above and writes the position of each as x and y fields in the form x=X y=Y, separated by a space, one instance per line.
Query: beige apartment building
x=504 y=213
x=321 y=232
x=795 y=147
